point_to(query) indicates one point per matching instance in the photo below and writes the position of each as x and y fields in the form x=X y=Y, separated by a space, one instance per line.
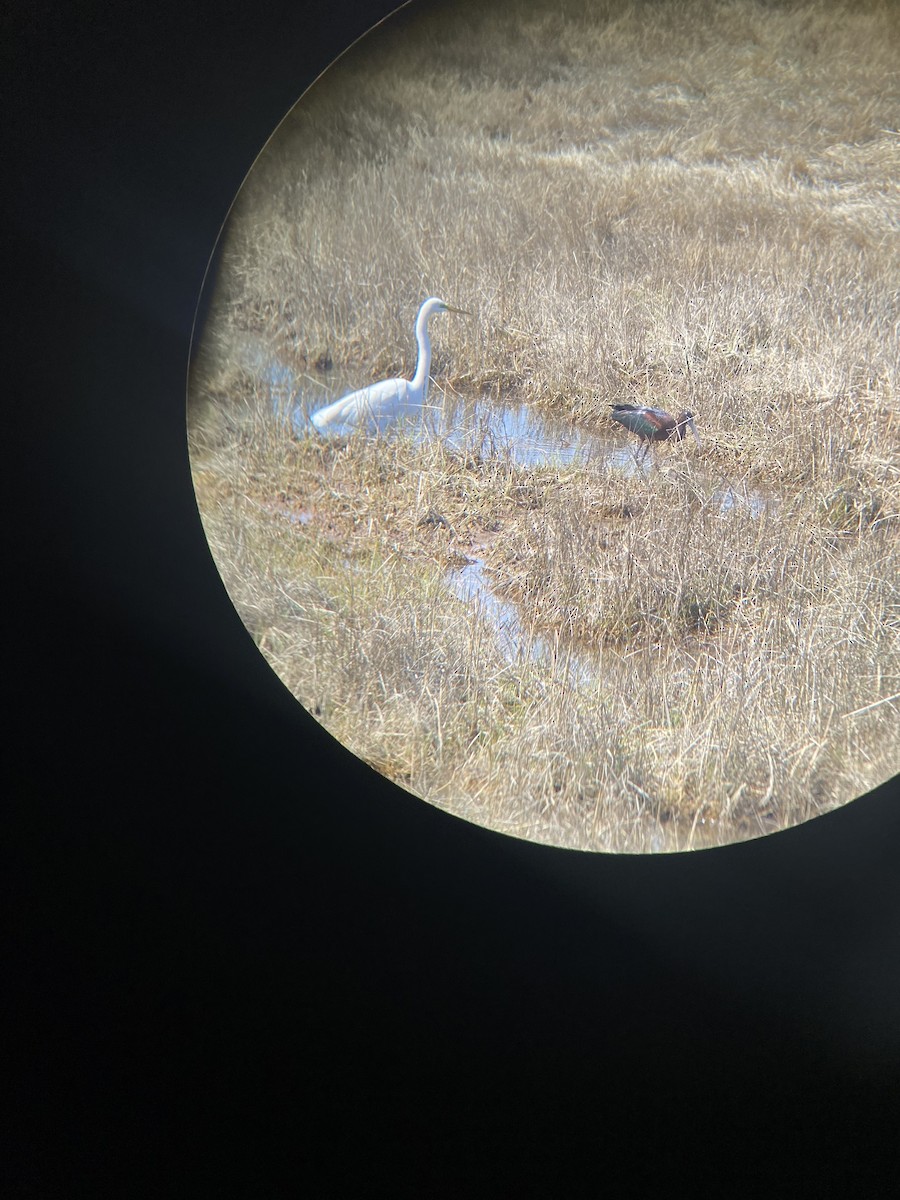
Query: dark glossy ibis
x=654 y=425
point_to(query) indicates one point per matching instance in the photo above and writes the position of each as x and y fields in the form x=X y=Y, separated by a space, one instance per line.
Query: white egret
x=375 y=406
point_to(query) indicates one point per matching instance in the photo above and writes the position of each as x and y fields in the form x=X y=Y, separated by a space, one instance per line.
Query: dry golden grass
x=690 y=205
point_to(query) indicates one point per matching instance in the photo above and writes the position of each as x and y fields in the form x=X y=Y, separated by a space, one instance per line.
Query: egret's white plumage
x=375 y=406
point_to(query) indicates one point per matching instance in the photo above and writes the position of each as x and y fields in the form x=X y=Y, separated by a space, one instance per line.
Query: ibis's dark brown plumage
x=654 y=425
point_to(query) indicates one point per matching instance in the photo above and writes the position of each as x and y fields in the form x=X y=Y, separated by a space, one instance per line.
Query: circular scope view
x=545 y=423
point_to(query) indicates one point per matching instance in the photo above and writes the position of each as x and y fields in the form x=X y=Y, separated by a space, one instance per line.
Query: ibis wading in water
x=375 y=406
x=654 y=425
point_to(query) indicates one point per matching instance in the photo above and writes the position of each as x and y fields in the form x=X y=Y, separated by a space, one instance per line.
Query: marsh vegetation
x=691 y=205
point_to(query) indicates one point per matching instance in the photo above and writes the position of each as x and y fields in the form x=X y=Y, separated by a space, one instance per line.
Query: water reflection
x=487 y=426
x=516 y=432
x=469 y=583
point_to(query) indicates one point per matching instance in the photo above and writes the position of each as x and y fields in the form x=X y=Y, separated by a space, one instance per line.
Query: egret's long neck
x=423 y=363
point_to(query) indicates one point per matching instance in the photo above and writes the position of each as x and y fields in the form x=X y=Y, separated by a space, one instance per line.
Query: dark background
x=236 y=951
